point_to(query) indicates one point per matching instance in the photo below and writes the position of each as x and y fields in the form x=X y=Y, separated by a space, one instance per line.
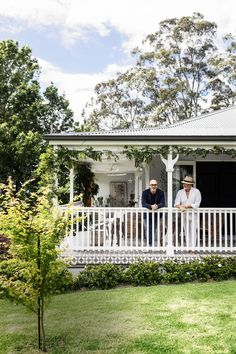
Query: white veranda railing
x=204 y=229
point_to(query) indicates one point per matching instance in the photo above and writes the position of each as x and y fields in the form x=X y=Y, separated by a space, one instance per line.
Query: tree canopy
x=181 y=71
x=26 y=112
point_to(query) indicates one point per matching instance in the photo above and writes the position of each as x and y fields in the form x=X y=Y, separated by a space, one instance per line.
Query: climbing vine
x=60 y=161
x=147 y=153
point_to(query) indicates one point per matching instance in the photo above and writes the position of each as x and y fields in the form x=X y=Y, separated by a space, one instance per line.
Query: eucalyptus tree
x=118 y=104
x=181 y=71
x=26 y=112
x=224 y=83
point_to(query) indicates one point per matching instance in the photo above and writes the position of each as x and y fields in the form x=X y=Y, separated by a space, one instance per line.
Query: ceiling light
x=116 y=174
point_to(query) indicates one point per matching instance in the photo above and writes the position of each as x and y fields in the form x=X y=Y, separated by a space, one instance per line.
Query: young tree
x=35 y=231
x=25 y=112
x=4 y=247
x=180 y=73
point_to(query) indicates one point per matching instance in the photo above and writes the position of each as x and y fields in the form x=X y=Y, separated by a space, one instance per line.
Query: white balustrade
x=138 y=229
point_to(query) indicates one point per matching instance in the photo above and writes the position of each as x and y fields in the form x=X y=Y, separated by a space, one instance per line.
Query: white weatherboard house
x=114 y=230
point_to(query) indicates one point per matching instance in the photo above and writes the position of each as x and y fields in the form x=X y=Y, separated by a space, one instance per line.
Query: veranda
x=204 y=146
x=119 y=235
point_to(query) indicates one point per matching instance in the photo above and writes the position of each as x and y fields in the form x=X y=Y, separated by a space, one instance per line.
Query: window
x=118 y=194
x=182 y=169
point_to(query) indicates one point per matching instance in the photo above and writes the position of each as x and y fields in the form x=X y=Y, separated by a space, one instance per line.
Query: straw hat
x=188 y=180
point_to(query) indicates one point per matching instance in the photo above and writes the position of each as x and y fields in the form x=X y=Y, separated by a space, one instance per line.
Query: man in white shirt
x=189 y=198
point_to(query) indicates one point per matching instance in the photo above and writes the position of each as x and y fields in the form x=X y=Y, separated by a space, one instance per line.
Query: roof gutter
x=104 y=138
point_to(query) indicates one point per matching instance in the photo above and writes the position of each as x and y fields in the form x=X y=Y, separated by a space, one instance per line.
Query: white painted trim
x=55 y=177
x=147 y=174
x=71 y=184
x=190 y=163
x=120 y=144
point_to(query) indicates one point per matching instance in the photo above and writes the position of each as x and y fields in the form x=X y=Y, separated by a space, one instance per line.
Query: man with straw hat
x=186 y=199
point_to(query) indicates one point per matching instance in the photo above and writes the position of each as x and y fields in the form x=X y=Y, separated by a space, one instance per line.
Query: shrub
x=64 y=281
x=231 y=263
x=174 y=272
x=101 y=276
x=143 y=273
x=198 y=271
x=217 y=267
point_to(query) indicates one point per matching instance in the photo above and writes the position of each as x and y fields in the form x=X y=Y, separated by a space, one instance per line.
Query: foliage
x=103 y=276
x=118 y=104
x=172 y=272
x=25 y=113
x=85 y=183
x=143 y=273
x=219 y=268
x=35 y=231
x=181 y=71
x=146 y=154
x=64 y=281
x=140 y=273
x=57 y=164
x=4 y=247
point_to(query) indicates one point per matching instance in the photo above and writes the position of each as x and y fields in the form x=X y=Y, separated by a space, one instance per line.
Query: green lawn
x=189 y=318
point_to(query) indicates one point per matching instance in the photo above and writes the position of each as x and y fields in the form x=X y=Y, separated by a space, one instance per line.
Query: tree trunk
x=39 y=326
x=39 y=299
x=42 y=326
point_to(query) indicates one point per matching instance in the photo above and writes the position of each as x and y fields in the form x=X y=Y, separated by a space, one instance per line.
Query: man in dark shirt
x=153 y=199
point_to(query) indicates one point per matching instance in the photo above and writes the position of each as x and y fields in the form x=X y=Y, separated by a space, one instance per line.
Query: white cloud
x=79 y=87
x=77 y=20
x=133 y=18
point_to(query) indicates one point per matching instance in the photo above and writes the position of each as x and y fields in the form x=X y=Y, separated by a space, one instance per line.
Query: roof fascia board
x=119 y=146
x=140 y=138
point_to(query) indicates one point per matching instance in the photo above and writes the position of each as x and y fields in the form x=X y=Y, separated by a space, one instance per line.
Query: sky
x=80 y=43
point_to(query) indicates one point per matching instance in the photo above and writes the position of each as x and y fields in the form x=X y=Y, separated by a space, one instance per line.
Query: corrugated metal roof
x=222 y=123
x=218 y=123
